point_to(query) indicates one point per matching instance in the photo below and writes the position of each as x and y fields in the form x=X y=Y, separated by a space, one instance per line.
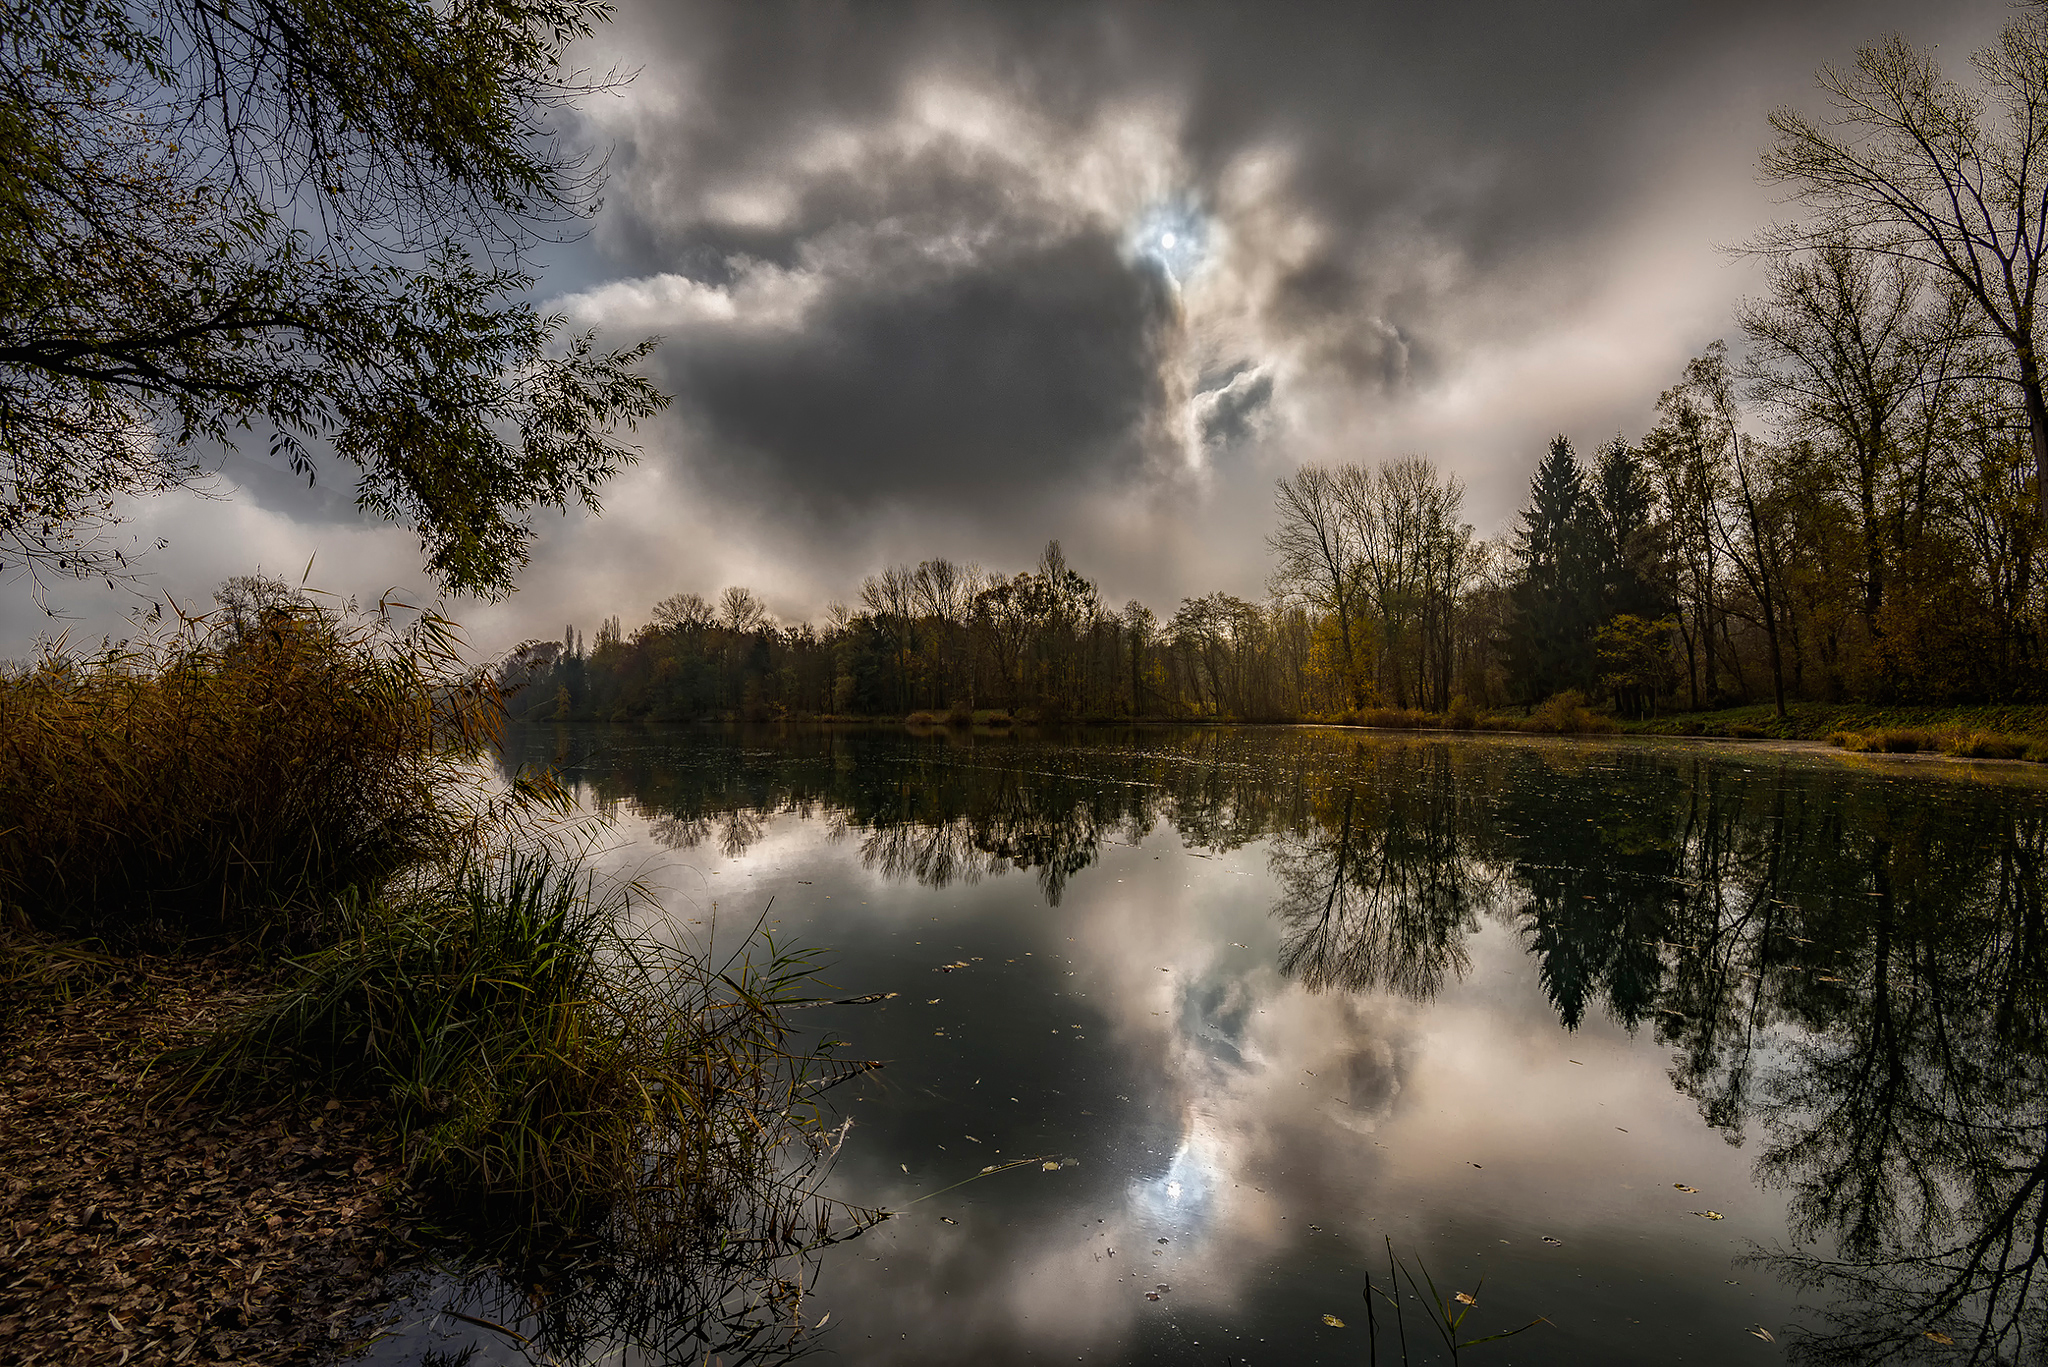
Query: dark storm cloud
x=1036 y=365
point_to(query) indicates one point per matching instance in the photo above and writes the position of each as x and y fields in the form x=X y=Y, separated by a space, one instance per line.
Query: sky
x=958 y=279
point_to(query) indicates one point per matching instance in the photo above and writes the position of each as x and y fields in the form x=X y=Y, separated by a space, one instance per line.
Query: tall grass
x=549 y=1073
x=238 y=772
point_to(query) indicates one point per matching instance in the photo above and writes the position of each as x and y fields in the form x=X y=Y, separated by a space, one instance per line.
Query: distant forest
x=1698 y=566
x=1844 y=508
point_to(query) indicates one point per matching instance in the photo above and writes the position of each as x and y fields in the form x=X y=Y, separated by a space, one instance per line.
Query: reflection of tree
x=1903 y=968
x=1376 y=891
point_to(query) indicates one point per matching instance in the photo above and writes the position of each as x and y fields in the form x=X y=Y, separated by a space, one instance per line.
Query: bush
x=1461 y=716
x=959 y=714
x=922 y=718
x=1845 y=740
x=237 y=775
x=1566 y=715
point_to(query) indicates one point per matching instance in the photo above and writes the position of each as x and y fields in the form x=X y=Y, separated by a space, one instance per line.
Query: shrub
x=1461 y=716
x=1566 y=715
x=1845 y=740
x=959 y=714
x=922 y=718
x=239 y=773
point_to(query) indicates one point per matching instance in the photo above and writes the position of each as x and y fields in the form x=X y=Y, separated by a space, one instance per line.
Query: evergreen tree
x=1555 y=599
x=1624 y=507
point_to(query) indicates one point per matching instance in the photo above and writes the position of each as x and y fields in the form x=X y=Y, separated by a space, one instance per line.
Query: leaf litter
x=149 y=1230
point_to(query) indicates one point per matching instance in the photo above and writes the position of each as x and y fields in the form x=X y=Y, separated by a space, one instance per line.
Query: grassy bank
x=261 y=857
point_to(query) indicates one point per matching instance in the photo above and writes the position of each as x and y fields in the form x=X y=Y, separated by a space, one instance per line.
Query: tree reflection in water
x=1851 y=968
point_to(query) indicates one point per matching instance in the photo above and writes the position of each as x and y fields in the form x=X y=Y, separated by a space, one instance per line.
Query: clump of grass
x=1888 y=741
x=238 y=772
x=959 y=714
x=1462 y=715
x=549 y=1074
x=1566 y=714
x=1988 y=745
x=993 y=716
x=924 y=718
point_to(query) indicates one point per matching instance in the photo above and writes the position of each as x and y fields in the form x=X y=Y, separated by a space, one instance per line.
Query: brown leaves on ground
x=139 y=1229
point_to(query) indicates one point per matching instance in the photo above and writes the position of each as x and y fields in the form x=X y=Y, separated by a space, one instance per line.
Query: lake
x=1702 y=1054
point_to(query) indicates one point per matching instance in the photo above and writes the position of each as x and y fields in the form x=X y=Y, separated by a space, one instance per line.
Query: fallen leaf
x=1048 y=1167
x=948 y=1220
x=1557 y=1242
x=1162 y=1241
x=1937 y=1336
x=1710 y=1215
x=1689 y=1191
x=1162 y=1286
x=1151 y=1295
x=1466 y=1298
x=904 y=1166
x=821 y=1320
x=1333 y=1321
x=1766 y=1335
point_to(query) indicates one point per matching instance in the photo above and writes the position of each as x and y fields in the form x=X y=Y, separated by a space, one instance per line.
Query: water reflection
x=1849 y=969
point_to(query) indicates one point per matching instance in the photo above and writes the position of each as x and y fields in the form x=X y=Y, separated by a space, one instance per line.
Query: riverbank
x=141 y=1227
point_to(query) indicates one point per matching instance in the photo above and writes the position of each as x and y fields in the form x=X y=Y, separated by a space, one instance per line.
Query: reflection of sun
x=1183 y=1195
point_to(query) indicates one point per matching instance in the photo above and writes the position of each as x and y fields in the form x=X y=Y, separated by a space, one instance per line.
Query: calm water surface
x=1669 y=1046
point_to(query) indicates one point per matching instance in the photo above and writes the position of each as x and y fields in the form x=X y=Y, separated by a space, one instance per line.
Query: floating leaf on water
x=1710 y=1215
x=1151 y=1295
x=972 y=1138
x=1471 y=1164
x=948 y=1220
x=904 y=1166
x=1555 y=1242
x=1689 y=1191
x=1766 y=1335
x=990 y=1168
x=1162 y=1241
x=933 y=1001
x=1937 y=1336
x=1315 y=1229
x=1162 y=1286
x=1048 y=1166
x=1466 y=1298
x=1333 y=1321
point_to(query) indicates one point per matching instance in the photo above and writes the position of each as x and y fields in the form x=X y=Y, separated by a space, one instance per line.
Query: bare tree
x=1318 y=560
x=1915 y=166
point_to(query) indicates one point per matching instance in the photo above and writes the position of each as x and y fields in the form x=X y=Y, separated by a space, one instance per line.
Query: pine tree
x=1555 y=600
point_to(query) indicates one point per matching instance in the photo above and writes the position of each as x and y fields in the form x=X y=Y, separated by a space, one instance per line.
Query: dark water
x=1277 y=999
